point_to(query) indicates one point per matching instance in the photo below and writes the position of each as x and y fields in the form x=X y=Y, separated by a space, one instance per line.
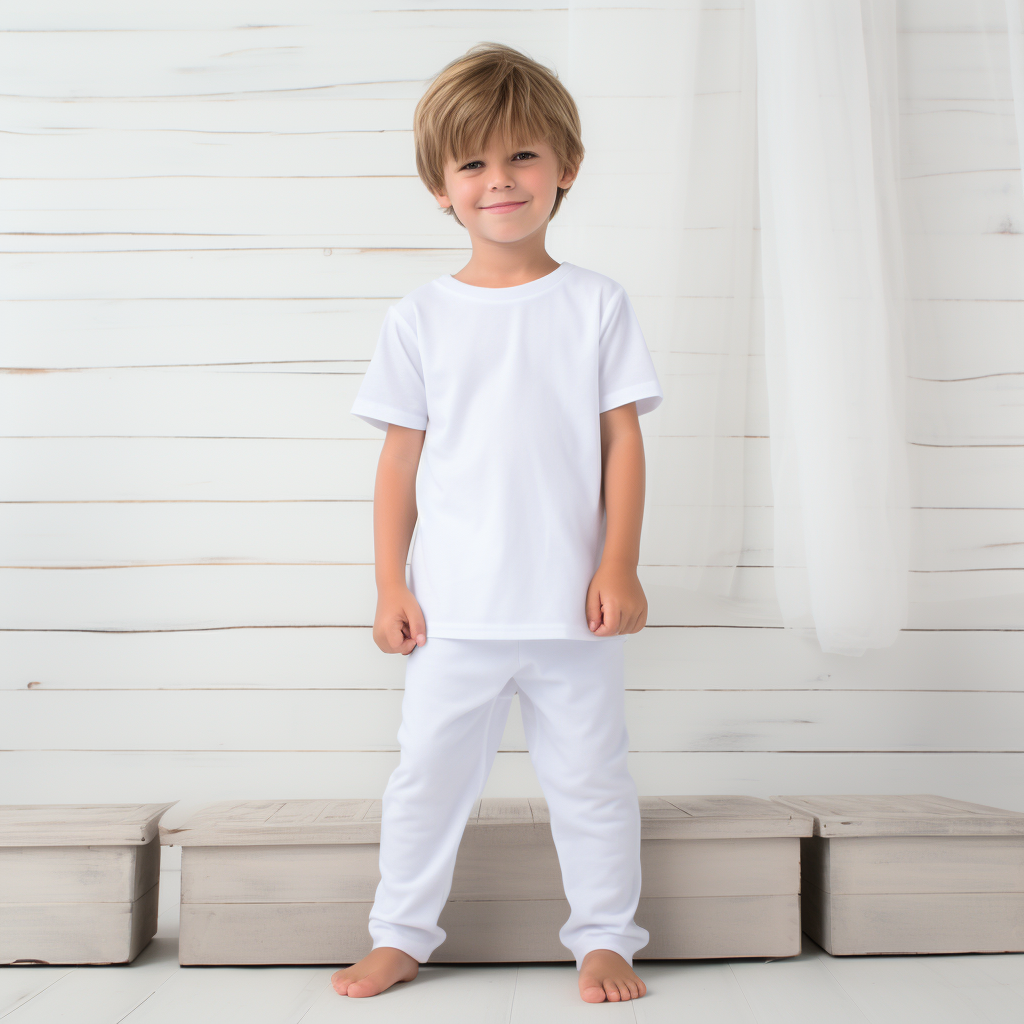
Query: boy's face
x=523 y=179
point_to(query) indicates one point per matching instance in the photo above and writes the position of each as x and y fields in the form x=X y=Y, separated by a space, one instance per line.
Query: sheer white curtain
x=814 y=205
x=667 y=205
x=834 y=303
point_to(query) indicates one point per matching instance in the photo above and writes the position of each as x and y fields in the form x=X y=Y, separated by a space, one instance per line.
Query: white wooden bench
x=292 y=881
x=78 y=882
x=911 y=874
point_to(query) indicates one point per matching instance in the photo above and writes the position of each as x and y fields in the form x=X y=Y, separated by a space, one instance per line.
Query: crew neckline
x=515 y=291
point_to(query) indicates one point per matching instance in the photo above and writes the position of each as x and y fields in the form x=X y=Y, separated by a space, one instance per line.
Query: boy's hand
x=616 y=602
x=398 y=626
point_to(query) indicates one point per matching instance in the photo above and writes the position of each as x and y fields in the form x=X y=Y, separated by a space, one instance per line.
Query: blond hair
x=493 y=87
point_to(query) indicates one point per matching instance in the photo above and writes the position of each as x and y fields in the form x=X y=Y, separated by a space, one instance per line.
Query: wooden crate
x=911 y=874
x=292 y=881
x=78 y=882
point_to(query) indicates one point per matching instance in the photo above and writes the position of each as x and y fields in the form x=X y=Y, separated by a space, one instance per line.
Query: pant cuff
x=616 y=946
x=407 y=940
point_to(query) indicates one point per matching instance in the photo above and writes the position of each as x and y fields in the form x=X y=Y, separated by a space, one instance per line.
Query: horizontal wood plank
x=284 y=332
x=275 y=469
x=387 y=199
x=921 y=864
x=197 y=778
x=263 y=403
x=62 y=824
x=658 y=720
x=314 y=401
x=485 y=930
x=345 y=657
x=77 y=933
x=57 y=15
x=940 y=267
x=495 y=824
x=218 y=596
x=68 y=874
x=936 y=143
x=78 y=874
x=294 y=54
x=124 y=534
x=903 y=815
x=915 y=922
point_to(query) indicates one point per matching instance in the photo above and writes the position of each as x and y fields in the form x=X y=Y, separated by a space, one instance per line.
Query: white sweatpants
x=457 y=699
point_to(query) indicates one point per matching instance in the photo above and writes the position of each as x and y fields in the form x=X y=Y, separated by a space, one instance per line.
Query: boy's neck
x=496 y=269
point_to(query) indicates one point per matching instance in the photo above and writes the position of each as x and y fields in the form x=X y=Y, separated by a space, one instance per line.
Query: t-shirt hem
x=648 y=396
x=474 y=631
x=378 y=415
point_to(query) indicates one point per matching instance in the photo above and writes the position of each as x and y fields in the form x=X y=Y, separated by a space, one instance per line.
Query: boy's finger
x=593 y=608
x=417 y=628
x=396 y=635
x=612 y=617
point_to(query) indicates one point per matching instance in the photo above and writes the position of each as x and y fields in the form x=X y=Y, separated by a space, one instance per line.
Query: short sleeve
x=392 y=389
x=626 y=371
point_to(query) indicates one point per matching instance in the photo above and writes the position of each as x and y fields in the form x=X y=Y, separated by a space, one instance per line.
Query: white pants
x=457 y=698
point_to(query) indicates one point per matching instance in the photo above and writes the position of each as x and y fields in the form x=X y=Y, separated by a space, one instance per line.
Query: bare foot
x=378 y=970
x=606 y=975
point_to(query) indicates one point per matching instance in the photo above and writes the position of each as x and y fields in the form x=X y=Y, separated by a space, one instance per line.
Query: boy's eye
x=524 y=152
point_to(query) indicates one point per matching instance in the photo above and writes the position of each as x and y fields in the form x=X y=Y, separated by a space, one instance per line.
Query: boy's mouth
x=502 y=207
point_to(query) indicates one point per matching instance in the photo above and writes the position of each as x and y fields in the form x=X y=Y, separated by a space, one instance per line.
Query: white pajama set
x=508 y=385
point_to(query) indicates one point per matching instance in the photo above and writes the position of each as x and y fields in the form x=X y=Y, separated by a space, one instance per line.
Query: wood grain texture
x=220 y=596
x=78 y=874
x=941 y=267
x=486 y=868
x=868 y=865
x=199 y=777
x=885 y=815
x=315 y=822
x=846 y=925
x=132 y=534
x=305 y=401
x=484 y=931
x=281 y=334
x=343 y=657
x=77 y=933
x=665 y=720
x=79 y=824
x=44 y=469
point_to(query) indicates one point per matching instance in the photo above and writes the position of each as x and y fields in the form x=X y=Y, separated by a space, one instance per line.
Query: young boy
x=509 y=393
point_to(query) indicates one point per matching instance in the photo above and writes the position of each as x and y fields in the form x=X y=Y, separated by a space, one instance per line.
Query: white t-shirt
x=509 y=385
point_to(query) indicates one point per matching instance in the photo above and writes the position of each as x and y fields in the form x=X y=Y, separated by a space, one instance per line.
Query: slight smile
x=504 y=207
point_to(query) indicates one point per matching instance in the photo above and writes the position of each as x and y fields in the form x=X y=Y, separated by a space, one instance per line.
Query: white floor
x=814 y=987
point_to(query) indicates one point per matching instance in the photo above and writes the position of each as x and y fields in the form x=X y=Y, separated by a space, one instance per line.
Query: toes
x=634 y=989
x=593 y=994
x=613 y=991
x=368 y=986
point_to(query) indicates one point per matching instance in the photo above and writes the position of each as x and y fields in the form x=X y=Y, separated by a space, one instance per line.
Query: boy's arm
x=399 y=620
x=623 y=482
x=615 y=600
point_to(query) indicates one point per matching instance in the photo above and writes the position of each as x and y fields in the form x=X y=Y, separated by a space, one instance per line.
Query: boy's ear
x=568 y=176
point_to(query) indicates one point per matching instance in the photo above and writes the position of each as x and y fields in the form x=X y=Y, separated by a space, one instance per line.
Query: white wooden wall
x=207 y=208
